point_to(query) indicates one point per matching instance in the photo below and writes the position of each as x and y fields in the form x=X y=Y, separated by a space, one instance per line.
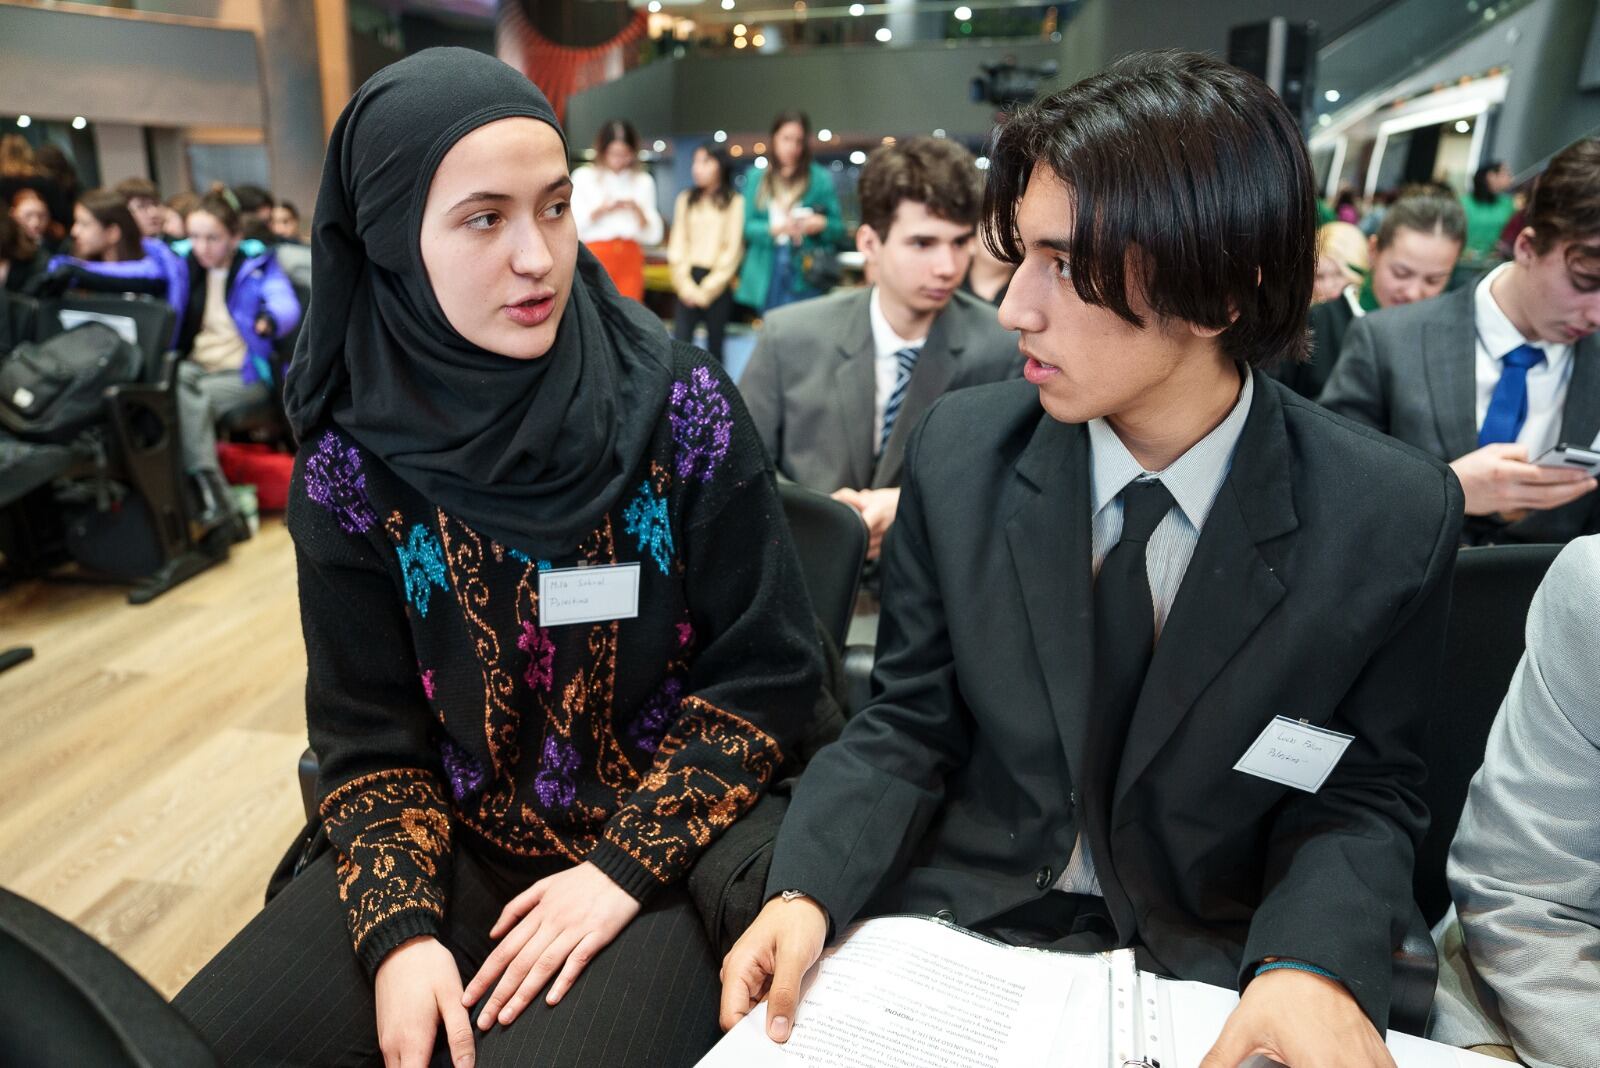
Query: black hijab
x=531 y=452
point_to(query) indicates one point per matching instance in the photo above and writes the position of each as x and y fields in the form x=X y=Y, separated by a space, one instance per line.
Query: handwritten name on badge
x=1294 y=754
x=588 y=594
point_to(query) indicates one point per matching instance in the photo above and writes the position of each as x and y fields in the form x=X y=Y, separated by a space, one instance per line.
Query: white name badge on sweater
x=588 y=594
x=1294 y=753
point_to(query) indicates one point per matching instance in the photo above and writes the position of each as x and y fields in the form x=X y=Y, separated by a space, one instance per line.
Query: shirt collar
x=1498 y=335
x=1194 y=479
x=885 y=342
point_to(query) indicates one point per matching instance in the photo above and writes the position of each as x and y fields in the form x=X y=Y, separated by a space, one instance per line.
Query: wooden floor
x=147 y=755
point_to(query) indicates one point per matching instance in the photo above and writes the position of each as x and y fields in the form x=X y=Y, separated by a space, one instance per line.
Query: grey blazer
x=1411 y=373
x=811 y=386
x=1520 y=956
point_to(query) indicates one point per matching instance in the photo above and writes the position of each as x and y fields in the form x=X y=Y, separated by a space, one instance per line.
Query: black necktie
x=1124 y=625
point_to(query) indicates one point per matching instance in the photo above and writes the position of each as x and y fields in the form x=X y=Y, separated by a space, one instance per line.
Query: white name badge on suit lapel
x=588 y=594
x=1294 y=753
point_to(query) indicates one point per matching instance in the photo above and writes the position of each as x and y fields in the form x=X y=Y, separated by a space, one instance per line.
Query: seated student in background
x=32 y=215
x=144 y=204
x=1106 y=582
x=108 y=254
x=704 y=249
x=286 y=223
x=20 y=259
x=1520 y=955
x=513 y=796
x=240 y=305
x=1491 y=376
x=1411 y=258
x=836 y=384
x=179 y=205
x=256 y=206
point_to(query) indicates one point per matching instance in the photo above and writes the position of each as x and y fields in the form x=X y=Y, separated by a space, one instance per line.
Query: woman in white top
x=703 y=253
x=614 y=205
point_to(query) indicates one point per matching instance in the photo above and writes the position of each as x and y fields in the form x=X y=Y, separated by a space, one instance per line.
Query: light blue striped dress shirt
x=1194 y=480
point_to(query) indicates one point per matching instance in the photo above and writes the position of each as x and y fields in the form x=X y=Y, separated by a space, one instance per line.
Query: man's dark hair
x=1188 y=175
x=1565 y=205
x=288 y=206
x=932 y=171
x=252 y=198
x=109 y=209
x=1425 y=210
x=130 y=188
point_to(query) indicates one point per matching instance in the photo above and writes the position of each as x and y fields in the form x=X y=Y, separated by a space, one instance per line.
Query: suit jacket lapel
x=936 y=367
x=1049 y=539
x=1226 y=592
x=1449 y=360
x=855 y=389
x=1580 y=418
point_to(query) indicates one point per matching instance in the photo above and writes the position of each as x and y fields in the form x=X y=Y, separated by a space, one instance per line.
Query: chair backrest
x=17 y=317
x=66 y=999
x=1493 y=587
x=144 y=322
x=831 y=539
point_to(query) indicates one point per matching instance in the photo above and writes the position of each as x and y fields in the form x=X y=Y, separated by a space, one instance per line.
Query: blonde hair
x=16 y=157
x=1346 y=245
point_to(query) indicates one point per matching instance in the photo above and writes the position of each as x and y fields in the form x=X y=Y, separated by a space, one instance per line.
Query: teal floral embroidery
x=422 y=566
x=645 y=518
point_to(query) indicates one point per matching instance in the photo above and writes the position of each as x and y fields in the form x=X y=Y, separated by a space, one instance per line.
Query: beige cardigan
x=704 y=235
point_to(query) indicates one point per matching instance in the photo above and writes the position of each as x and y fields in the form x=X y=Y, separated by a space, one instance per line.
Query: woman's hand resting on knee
x=559 y=922
x=417 y=986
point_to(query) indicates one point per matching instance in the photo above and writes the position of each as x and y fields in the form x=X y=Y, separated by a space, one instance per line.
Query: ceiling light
x=736 y=151
x=824 y=135
x=759 y=147
x=24 y=121
x=1331 y=96
x=1463 y=126
x=655 y=6
x=727 y=5
x=858 y=9
x=858 y=157
x=759 y=39
x=739 y=42
x=938 y=133
x=738 y=29
x=962 y=13
x=79 y=122
x=982 y=163
x=660 y=146
x=884 y=34
x=761 y=163
x=720 y=136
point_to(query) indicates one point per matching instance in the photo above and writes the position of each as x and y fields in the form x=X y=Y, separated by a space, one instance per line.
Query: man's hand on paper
x=769 y=961
x=1300 y=1019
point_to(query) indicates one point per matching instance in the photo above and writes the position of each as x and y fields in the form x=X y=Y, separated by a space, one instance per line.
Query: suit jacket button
x=1044 y=878
x=946 y=915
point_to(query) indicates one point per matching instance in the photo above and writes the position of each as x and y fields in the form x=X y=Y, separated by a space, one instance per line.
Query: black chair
x=139 y=445
x=831 y=540
x=67 y=1000
x=1494 y=585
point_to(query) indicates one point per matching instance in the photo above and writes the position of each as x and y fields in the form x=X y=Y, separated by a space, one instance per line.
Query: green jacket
x=756 y=271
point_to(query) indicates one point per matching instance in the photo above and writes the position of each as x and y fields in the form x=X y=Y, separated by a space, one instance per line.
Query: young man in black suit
x=1112 y=583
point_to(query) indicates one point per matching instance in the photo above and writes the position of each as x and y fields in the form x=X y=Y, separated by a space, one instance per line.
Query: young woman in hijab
x=556 y=632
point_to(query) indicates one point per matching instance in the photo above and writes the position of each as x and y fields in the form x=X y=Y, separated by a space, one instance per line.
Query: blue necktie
x=1508 y=407
x=907 y=359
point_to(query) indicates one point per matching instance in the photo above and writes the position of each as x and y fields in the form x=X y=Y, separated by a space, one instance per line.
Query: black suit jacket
x=1317 y=591
x=1329 y=322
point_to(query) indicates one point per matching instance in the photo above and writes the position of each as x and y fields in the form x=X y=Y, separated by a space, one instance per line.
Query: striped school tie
x=907 y=359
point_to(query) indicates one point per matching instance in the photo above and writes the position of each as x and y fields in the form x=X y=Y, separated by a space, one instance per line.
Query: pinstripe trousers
x=287 y=992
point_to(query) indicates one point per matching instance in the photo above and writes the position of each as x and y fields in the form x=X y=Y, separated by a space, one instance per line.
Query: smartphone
x=1571 y=456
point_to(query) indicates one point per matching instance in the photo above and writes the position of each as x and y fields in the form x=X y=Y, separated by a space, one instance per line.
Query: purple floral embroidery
x=646 y=518
x=658 y=714
x=702 y=422
x=685 y=634
x=554 y=781
x=427 y=683
x=334 y=479
x=541 y=671
x=466 y=774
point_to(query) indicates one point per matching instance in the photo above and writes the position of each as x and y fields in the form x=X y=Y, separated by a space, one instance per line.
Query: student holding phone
x=1491 y=376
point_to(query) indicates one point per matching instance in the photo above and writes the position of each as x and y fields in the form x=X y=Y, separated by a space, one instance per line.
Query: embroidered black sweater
x=440 y=705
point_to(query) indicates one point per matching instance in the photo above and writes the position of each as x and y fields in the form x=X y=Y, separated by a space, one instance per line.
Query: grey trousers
x=203 y=398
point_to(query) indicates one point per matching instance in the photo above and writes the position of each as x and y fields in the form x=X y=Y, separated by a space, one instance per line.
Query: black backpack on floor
x=51 y=390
